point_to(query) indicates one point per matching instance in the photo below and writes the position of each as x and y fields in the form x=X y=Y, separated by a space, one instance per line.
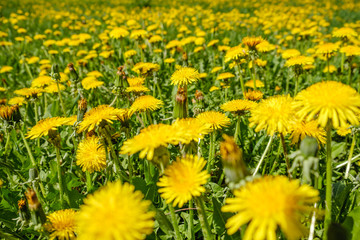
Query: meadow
x=210 y=119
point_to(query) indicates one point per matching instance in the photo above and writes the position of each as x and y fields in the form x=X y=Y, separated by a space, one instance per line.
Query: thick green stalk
x=61 y=187
x=203 y=219
x=191 y=219
x=350 y=156
x=237 y=135
x=61 y=100
x=211 y=151
x=328 y=68
x=174 y=222
x=287 y=161
x=342 y=62
x=254 y=73
x=7 y=144
x=242 y=83
x=296 y=84
x=88 y=181
x=328 y=180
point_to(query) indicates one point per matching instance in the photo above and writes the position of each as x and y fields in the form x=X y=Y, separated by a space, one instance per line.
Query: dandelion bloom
x=343 y=131
x=265 y=46
x=91 y=82
x=300 y=129
x=290 y=53
x=235 y=53
x=148 y=140
x=118 y=33
x=328 y=100
x=344 y=32
x=225 y=75
x=299 y=61
x=184 y=76
x=96 y=115
x=252 y=42
x=17 y=101
x=62 y=224
x=273 y=115
x=43 y=126
x=217 y=120
x=29 y=92
x=270 y=202
x=115 y=212
x=53 y=88
x=327 y=48
x=188 y=129
x=253 y=95
x=5 y=69
x=145 y=103
x=350 y=50
x=91 y=155
x=250 y=84
x=183 y=180
x=238 y=106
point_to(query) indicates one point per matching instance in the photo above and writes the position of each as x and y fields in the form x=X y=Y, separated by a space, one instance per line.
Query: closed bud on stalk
x=309 y=147
x=161 y=158
x=181 y=103
x=232 y=159
x=82 y=107
x=121 y=80
x=198 y=102
x=54 y=138
x=55 y=74
x=73 y=74
x=37 y=212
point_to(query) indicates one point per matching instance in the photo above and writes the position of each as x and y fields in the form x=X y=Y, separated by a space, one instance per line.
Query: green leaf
x=219 y=218
x=337 y=149
x=341 y=192
x=352 y=223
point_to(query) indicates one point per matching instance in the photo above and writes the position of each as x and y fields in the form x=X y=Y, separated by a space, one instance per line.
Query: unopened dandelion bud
x=309 y=146
x=232 y=158
x=54 y=138
x=23 y=211
x=82 y=107
x=73 y=74
x=121 y=80
x=37 y=212
x=55 y=74
x=181 y=104
x=161 y=157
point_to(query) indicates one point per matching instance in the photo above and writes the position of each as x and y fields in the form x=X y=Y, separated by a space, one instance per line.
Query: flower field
x=149 y=119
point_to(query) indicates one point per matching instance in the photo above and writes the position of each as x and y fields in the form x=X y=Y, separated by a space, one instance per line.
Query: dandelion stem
x=350 y=156
x=285 y=155
x=328 y=67
x=61 y=100
x=342 y=62
x=174 y=222
x=237 y=135
x=263 y=155
x=242 y=82
x=7 y=144
x=88 y=181
x=296 y=84
x=191 y=219
x=203 y=219
x=28 y=71
x=211 y=151
x=328 y=180
x=254 y=72
x=61 y=187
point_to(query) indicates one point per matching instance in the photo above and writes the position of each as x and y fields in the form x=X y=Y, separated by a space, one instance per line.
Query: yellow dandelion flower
x=252 y=42
x=155 y=38
x=5 y=69
x=53 y=88
x=140 y=33
x=350 y=50
x=43 y=127
x=212 y=43
x=327 y=48
x=300 y=129
x=173 y=44
x=328 y=100
x=62 y=224
x=273 y=115
x=344 y=32
x=148 y=140
x=216 y=69
x=29 y=92
x=137 y=89
x=116 y=211
x=225 y=75
x=145 y=103
x=17 y=101
x=290 y=53
x=343 y=131
x=96 y=115
x=2 y=89
x=71 y=120
x=145 y=68
x=6 y=112
x=253 y=95
x=184 y=76
x=235 y=53
x=91 y=155
x=213 y=88
x=299 y=61
x=135 y=81
x=217 y=120
x=95 y=74
x=169 y=60
x=183 y=180
x=130 y=53
x=331 y=69
x=190 y=129
x=118 y=33
x=238 y=106
x=269 y=203
x=265 y=46
x=91 y=83
x=250 y=83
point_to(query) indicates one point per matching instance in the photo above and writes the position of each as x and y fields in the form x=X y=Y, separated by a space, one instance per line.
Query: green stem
x=191 y=219
x=237 y=135
x=328 y=68
x=342 y=62
x=328 y=180
x=7 y=144
x=254 y=73
x=174 y=222
x=264 y=154
x=285 y=155
x=242 y=83
x=203 y=219
x=287 y=83
x=296 y=84
x=61 y=187
x=349 y=76
x=211 y=151
x=61 y=100
x=37 y=119
x=28 y=71
x=88 y=181
x=350 y=156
